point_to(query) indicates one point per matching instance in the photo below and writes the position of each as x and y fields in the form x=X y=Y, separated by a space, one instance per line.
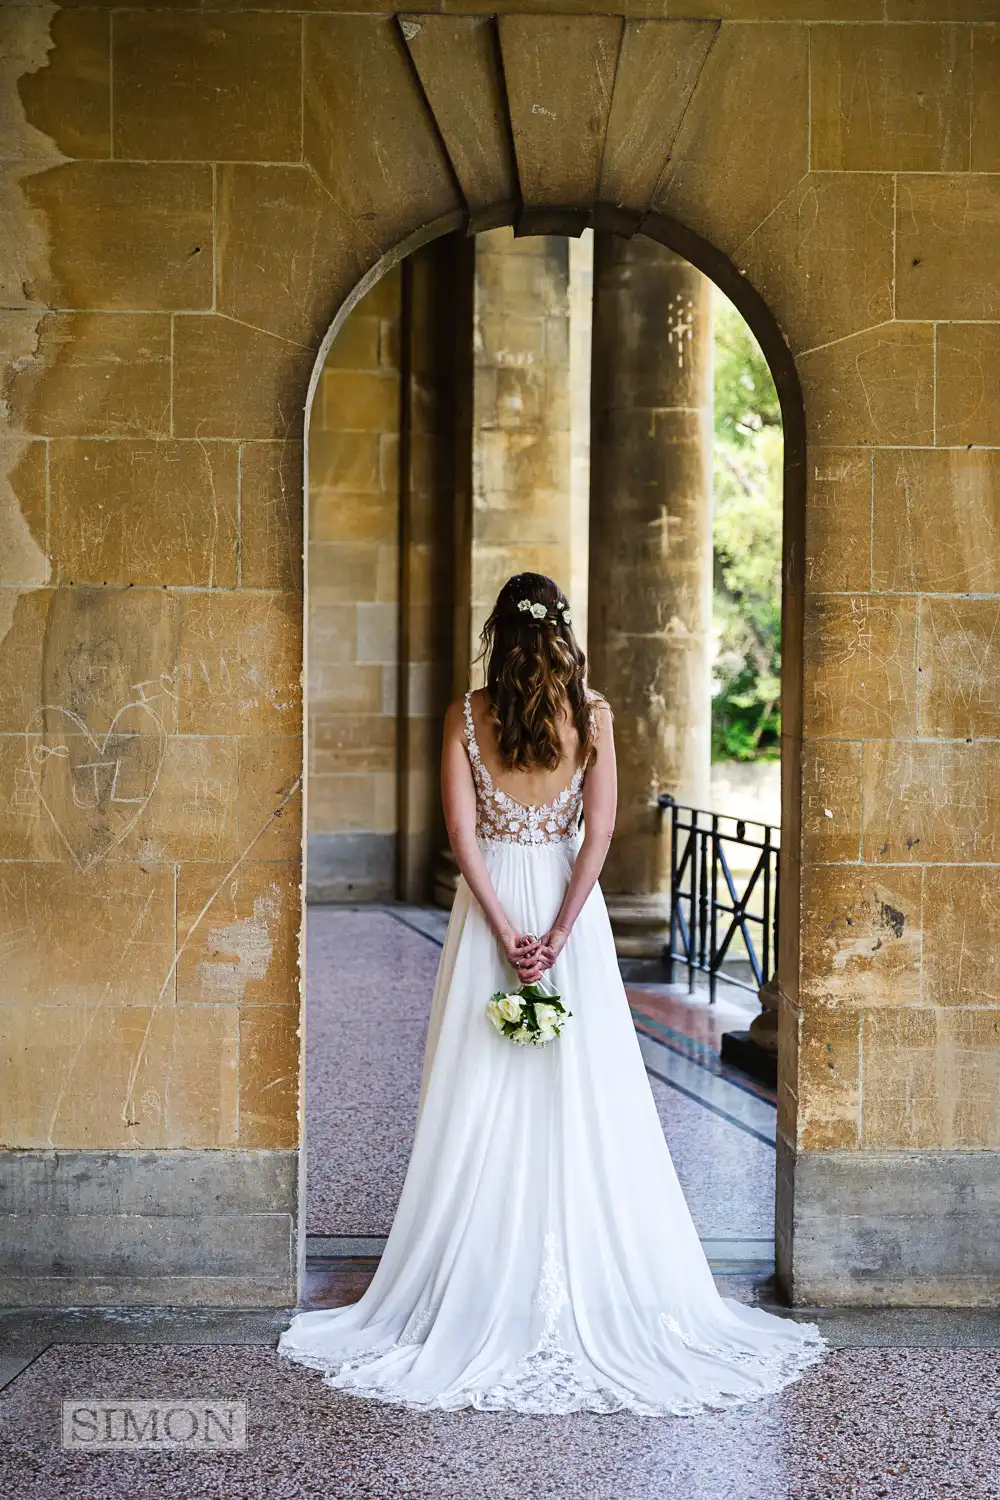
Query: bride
x=542 y=1258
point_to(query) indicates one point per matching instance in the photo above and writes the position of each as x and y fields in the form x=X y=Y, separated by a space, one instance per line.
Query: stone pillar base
x=641 y=924
x=888 y=1228
x=445 y=879
x=756 y=1051
x=172 y=1228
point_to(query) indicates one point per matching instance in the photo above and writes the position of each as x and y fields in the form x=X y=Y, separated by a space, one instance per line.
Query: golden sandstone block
x=472 y=118
x=823 y=260
x=357 y=346
x=207 y=88
x=194 y=810
x=237 y=933
x=143 y=512
x=363 y=111
x=69 y=98
x=346 y=742
x=338 y=518
x=860 y=667
x=838 y=506
x=213 y=394
x=937 y=521
x=828 y=1078
x=345 y=460
x=559 y=72
x=257 y=282
x=928 y=1079
x=960 y=668
x=961 y=904
x=130 y=235
x=732 y=162
x=121 y=1076
x=929 y=802
x=888 y=98
x=342 y=572
x=269 y=1076
x=88 y=374
x=23 y=521
x=658 y=69
x=968 y=384
x=271 y=555
x=860 y=936
x=346 y=688
x=985 y=98
x=361 y=401
x=873 y=388
x=831 y=800
x=117 y=951
x=238 y=663
x=269 y=814
x=948 y=229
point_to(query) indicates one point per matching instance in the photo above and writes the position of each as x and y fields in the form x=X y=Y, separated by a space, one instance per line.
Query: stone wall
x=353 y=616
x=191 y=198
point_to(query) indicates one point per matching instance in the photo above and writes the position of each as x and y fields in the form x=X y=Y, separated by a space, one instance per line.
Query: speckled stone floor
x=905 y=1405
x=907 y=1424
x=369 y=980
x=368 y=991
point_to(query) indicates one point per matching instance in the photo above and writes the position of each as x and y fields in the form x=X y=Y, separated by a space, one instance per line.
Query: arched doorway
x=187 y=360
x=360 y=374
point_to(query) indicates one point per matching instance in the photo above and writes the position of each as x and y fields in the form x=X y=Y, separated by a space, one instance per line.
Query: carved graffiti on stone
x=94 y=786
x=680 y=328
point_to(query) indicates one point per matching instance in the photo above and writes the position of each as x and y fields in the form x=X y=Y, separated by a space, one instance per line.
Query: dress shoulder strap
x=479 y=772
x=592 y=716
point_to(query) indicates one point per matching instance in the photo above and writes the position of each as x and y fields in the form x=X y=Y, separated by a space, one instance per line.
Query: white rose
x=546 y=1016
x=492 y=1010
x=509 y=1007
x=539 y=610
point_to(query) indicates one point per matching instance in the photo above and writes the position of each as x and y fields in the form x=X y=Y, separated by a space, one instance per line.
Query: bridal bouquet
x=528 y=1016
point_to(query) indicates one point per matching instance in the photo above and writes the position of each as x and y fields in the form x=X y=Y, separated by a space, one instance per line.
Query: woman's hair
x=534 y=669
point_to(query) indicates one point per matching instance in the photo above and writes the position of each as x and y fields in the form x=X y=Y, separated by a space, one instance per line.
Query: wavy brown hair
x=534 y=671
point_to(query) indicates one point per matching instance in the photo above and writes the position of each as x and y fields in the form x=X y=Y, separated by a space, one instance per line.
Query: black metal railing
x=706 y=921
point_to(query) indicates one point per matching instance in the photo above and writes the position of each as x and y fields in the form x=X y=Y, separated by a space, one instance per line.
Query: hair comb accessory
x=540 y=611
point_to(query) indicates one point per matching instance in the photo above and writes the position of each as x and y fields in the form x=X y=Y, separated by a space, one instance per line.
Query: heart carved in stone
x=94 y=787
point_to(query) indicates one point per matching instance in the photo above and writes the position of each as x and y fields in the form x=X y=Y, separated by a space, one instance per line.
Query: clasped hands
x=530 y=956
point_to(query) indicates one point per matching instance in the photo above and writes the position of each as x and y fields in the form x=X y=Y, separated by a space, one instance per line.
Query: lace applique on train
x=501 y=819
x=550 y=1381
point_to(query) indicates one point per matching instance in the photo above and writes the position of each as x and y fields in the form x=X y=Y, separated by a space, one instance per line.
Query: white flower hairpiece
x=538 y=610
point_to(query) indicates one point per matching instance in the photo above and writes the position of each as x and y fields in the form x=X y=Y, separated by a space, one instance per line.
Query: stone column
x=436 y=354
x=518 y=507
x=521 y=463
x=650 y=597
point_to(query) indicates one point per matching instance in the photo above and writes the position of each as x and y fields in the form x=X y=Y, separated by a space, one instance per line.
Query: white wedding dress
x=542 y=1258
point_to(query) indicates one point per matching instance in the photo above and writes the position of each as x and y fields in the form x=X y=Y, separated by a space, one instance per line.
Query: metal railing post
x=697 y=859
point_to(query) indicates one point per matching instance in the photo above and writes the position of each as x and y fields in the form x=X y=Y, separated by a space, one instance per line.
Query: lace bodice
x=501 y=819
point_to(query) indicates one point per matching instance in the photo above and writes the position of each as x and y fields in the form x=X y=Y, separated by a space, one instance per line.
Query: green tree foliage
x=746 y=717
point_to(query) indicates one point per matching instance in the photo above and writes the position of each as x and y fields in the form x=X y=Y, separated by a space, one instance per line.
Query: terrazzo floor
x=903 y=1423
x=369 y=980
x=368 y=991
x=905 y=1405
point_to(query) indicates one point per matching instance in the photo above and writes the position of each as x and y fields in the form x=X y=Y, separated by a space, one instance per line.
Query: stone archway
x=181 y=245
